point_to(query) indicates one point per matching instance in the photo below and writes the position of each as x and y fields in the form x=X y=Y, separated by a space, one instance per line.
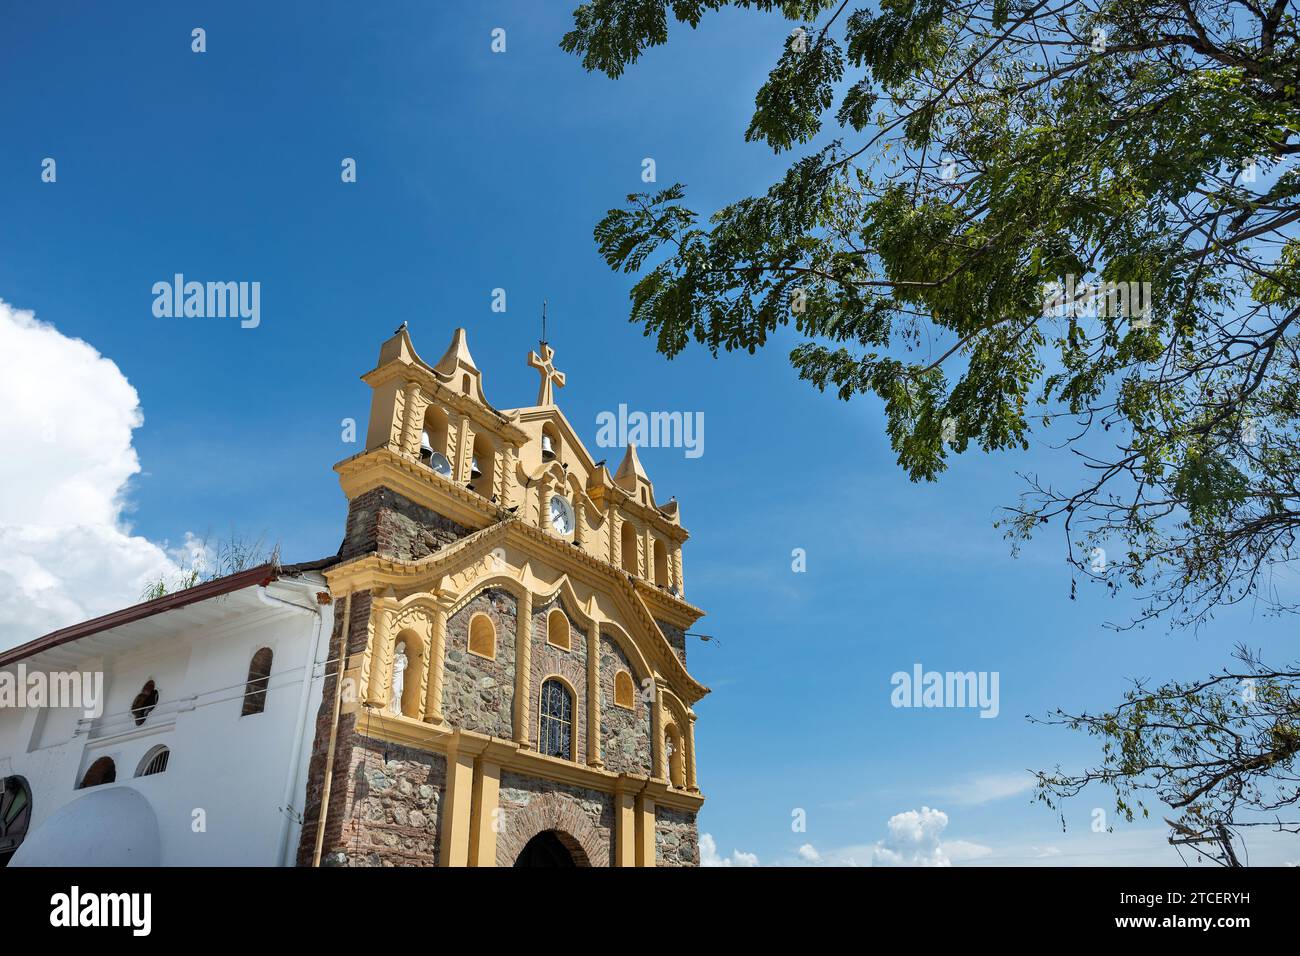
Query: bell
x=474 y=471
x=548 y=452
x=426 y=447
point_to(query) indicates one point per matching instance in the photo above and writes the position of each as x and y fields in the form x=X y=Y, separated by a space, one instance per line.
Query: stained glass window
x=15 y=814
x=555 y=731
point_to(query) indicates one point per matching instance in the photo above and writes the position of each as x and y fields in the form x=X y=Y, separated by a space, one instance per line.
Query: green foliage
x=211 y=560
x=986 y=151
x=1223 y=753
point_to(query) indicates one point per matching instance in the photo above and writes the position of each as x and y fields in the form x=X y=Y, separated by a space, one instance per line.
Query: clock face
x=561 y=515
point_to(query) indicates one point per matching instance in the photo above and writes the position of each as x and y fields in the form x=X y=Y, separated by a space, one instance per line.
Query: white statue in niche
x=399 y=678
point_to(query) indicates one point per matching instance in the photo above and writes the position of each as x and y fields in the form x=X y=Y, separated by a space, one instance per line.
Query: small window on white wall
x=155 y=761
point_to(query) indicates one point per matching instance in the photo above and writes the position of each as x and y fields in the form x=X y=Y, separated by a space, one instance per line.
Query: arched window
x=557 y=629
x=259 y=673
x=102 y=770
x=661 y=564
x=15 y=815
x=624 y=691
x=144 y=702
x=155 y=761
x=676 y=757
x=483 y=465
x=482 y=636
x=628 y=547
x=555 y=729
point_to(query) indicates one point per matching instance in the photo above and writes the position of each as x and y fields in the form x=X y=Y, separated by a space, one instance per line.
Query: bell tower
x=513 y=637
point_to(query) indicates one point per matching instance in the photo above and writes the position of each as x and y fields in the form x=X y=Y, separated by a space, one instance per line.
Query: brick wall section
x=393 y=806
x=383 y=521
x=676 y=638
x=571 y=665
x=477 y=693
x=677 y=841
x=624 y=734
x=339 y=794
x=530 y=806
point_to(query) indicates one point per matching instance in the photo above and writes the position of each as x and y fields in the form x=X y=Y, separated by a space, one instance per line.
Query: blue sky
x=479 y=171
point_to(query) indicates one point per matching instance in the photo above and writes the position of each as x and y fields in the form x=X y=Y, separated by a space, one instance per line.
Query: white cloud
x=986 y=788
x=66 y=553
x=914 y=839
x=709 y=854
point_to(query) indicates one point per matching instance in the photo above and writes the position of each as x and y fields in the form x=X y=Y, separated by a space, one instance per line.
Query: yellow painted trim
x=631 y=689
x=487 y=788
x=645 y=830
x=568 y=630
x=456 y=806
x=432 y=574
x=511 y=756
x=469 y=636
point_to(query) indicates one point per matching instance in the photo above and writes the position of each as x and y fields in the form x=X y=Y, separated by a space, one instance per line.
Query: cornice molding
x=372 y=572
x=373 y=723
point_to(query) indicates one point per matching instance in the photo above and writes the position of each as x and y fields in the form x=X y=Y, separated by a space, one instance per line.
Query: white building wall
x=230 y=773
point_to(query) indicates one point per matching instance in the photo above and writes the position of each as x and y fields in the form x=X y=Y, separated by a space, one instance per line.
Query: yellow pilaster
x=508 y=477
x=523 y=667
x=690 y=752
x=677 y=570
x=615 y=538
x=466 y=450
x=580 y=524
x=487 y=787
x=411 y=408
x=624 y=827
x=457 y=806
x=381 y=652
x=648 y=550
x=645 y=831
x=437 y=663
x=657 y=728
x=593 y=695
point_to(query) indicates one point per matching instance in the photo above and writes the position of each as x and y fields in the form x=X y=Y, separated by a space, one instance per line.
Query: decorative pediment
x=470 y=563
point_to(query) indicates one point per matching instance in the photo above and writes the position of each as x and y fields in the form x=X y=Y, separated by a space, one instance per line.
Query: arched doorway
x=545 y=849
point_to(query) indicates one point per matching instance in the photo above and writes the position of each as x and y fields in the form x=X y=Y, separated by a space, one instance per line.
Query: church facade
x=490 y=672
x=511 y=624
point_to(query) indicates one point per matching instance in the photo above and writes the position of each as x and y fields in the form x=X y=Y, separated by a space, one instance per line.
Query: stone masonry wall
x=677 y=841
x=383 y=521
x=477 y=693
x=583 y=818
x=357 y=630
x=676 y=638
x=624 y=734
x=394 y=803
x=571 y=665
